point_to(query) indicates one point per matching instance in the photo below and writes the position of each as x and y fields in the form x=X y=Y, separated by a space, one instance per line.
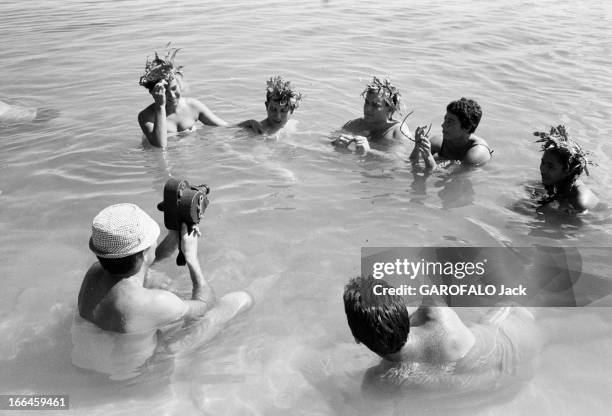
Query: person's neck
x=461 y=141
x=137 y=278
x=272 y=128
x=377 y=125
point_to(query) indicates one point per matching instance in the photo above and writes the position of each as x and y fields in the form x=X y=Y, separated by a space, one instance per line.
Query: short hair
x=380 y=322
x=467 y=111
x=128 y=265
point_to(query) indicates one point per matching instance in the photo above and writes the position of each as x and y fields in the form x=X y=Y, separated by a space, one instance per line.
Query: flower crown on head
x=158 y=69
x=558 y=139
x=278 y=89
x=387 y=90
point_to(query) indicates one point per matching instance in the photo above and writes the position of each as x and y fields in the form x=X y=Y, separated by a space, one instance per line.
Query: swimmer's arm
x=168 y=246
x=154 y=126
x=206 y=116
x=202 y=295
x=477 y=155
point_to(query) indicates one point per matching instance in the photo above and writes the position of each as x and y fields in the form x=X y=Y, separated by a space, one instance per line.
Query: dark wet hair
x=123 y=266
x=467 y=111
x=380 y=322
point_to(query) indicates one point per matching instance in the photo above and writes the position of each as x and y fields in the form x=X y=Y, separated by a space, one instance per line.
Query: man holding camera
x=115 y=295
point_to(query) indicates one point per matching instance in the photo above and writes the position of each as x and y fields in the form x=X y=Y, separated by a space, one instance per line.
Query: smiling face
x=552 y=169
x=451 y=128
x=173 y=91
x=278 y=114
x=375 y=110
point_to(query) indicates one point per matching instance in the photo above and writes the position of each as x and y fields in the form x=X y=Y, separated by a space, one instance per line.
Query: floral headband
x=278 y=89
x=388 y=91
x=158 y=69
x=558 y=139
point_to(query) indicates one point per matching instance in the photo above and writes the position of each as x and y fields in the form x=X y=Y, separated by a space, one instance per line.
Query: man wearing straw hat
x=114 y=296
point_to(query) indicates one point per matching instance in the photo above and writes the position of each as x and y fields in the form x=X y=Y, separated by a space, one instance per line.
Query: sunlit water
x=288 y=215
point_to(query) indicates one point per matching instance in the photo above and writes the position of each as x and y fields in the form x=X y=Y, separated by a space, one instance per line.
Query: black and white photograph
x=326 y=207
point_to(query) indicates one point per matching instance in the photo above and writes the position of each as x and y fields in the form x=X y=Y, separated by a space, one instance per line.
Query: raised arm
x=152 y=120
x=168 y=245
x=424 y=147
x=202 y=295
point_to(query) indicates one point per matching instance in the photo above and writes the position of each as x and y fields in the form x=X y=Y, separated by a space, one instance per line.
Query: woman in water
x=171 y=112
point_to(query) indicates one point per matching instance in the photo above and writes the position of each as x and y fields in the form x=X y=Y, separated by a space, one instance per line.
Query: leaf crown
x=277 y=89
x=158 y=69
x=389 y=92
x=558 y=140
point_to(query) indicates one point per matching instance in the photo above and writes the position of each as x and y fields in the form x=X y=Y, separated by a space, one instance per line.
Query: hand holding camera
x=183 y=208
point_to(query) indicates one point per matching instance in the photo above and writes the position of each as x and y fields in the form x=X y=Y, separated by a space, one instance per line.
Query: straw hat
x=122 y=230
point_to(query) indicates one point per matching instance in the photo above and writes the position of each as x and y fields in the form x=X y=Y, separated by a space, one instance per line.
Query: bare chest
x=181 y=120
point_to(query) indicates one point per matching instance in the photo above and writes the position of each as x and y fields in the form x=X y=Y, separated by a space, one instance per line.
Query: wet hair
x=123 y=266
x=467 y=111
x=380 y=322
x=277 y=89
x=389 y=93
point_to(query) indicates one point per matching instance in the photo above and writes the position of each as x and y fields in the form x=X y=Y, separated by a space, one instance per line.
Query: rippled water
x=288 y=215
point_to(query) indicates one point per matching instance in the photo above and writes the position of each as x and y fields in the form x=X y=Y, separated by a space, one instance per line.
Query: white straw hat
x=122 y=230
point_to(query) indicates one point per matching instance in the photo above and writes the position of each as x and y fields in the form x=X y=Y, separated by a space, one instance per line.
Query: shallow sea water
x=289 y=214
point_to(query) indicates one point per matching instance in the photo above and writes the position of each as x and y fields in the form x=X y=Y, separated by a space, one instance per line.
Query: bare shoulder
x=479 y=153
x=146 y=115
x=195 y=104
x=401 y=131
x=162 y=306
x=441 y=313
x=584 y=198
x=355 y=126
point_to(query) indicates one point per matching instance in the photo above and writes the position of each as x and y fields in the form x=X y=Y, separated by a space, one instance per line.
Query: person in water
x=281 y=102
x=458 y=140
x=562 y=164
x=377 y=126
x=171 y=111
x=116 y=296
x=435 y=337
